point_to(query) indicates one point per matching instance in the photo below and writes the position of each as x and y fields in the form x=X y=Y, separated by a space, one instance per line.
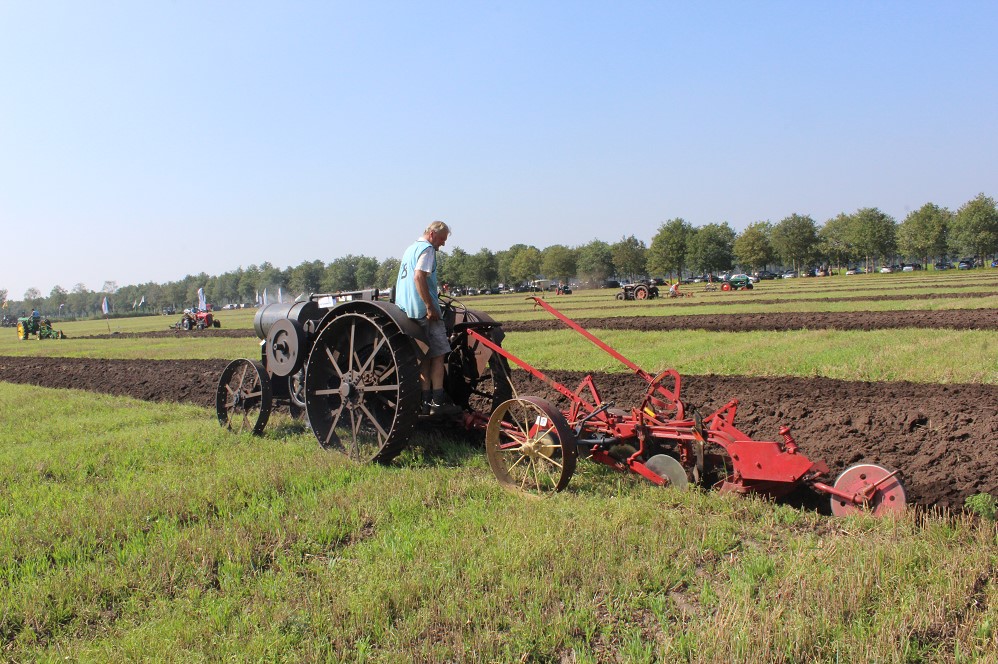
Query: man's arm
x=423 y=288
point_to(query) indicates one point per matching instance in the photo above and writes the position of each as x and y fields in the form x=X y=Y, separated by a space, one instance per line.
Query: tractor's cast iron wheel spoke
x=362 y=388
x=243 y=398
x=530 y=447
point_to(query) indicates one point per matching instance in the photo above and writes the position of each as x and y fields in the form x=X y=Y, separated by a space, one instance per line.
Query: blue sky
x=143 y=141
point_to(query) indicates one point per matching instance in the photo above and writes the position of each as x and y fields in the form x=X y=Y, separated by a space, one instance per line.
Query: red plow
x=533 y=447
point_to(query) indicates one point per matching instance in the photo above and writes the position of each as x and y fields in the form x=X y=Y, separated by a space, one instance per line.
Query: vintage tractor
x=532 y=446
x=638 y=291
x=40 y=327
x=351 y=362
x=195 y=319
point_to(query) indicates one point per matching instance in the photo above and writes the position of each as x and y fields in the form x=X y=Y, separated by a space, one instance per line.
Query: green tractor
x=41 y=327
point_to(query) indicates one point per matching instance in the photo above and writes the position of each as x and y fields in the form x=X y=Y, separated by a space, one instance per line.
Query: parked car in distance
x=908 y=268
x=887 y=269
x=941 y=266
x=965 y=264
x=765 y=274
x=789 y=274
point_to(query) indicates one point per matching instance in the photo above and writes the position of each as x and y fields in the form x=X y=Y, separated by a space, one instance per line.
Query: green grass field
x=139 y=531
x=142 y=531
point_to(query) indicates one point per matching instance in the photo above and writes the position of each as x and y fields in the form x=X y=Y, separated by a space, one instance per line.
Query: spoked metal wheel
x=243 y=398
x=530 y=447
x=875 y=488
x=362 y=391
x=641 y=293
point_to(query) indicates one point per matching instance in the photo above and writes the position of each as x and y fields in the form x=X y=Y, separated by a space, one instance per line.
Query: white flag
x=264 y=297
x=202 y=305
x=104 y=307
x=142 y=301
x=280 y=296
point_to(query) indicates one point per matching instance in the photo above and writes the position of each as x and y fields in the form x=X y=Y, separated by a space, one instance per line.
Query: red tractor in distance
x=196 y=319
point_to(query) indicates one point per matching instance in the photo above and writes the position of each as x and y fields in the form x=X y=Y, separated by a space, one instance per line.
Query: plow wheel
x=530 y=447
x=362 y=391
x=878 y=488
x=243 y=398
x=22 y=332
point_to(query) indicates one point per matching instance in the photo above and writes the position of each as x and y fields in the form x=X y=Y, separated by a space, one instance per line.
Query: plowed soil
x=957 y=319
x=942 y=437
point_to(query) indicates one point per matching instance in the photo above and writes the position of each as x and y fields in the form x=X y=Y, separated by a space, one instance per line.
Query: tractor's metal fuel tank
x=300 y=312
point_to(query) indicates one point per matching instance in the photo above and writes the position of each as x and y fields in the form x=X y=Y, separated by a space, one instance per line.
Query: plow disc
x=873 y=487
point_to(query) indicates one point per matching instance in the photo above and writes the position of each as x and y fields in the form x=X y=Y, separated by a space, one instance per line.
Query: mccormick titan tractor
x=352 y=363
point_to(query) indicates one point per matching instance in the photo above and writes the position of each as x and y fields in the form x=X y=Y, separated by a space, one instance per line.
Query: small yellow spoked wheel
x=530 y=447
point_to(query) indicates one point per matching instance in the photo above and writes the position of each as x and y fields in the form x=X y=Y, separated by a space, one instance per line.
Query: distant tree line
x=867 y=236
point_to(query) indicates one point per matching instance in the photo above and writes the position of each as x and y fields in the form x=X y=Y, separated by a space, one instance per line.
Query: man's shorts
x=436 y=335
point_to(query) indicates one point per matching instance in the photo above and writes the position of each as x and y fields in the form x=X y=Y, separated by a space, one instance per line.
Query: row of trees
x=677 y=248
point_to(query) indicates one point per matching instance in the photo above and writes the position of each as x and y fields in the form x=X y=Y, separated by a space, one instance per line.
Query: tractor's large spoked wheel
x=874 y=487
x=243 y=398
x=362 y=390
x=641 y=293
x=530 y=447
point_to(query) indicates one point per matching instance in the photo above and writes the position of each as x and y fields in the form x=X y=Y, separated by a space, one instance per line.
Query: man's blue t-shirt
x=406 y=295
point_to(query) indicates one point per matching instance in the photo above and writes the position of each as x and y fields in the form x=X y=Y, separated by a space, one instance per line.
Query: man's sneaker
x=444 y=407
x=425 y=410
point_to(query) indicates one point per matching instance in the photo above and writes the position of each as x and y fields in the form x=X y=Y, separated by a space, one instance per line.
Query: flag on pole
x=202 y=305
x=265 y=297
x=280 y=296
x=104 y=307
x=135 y=303
x=142 y=301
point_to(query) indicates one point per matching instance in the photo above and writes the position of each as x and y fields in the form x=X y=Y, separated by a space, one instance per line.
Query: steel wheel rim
x=362 y=387
x=530 y=448
x=243 y=397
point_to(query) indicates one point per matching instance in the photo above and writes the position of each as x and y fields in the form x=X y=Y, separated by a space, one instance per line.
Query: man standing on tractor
x=416 y=295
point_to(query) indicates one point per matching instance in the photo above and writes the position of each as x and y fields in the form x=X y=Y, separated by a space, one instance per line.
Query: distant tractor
x=638 y=291
x=39 y=327
x=195 y=319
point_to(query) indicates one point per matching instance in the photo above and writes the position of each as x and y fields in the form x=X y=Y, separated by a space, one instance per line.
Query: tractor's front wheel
x=530 y=447
x=243 y=397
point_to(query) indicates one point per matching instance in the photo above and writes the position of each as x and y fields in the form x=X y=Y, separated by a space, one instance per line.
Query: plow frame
x=711 y=450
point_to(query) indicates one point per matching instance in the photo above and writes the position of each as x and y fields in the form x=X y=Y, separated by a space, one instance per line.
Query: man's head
x=437 y=233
